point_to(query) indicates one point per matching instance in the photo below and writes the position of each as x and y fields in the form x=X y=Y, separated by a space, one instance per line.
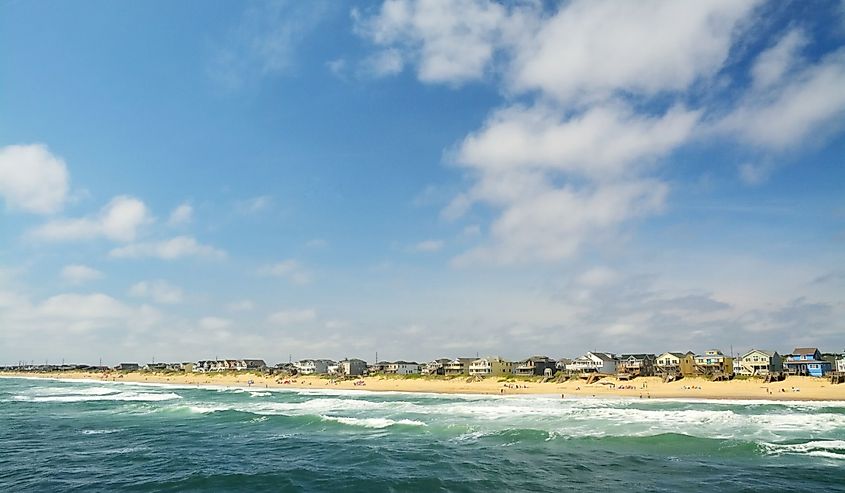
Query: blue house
x=808 y=362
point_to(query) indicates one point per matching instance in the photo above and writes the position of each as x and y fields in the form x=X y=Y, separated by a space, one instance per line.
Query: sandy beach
x=793 y=388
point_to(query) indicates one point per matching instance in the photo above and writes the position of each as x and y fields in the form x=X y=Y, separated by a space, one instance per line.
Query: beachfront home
x=807 y=361
x=127 y=367
x=402 y=368
x=351 y=367
x=675 y=363
x=312 y=366
x=594 y=362
x=840 y=365
x=758 y=362
x=436 y=367
x=714 y=362
x=637 y=365
x=536 y=366
x=458 y=366
x=487 y=367
x=561 y=364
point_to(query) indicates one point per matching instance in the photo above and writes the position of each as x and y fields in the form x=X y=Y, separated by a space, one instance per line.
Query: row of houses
x=755 y=362
x=712 y=363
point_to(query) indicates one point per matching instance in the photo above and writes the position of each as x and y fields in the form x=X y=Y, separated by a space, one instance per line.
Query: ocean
x=95 y=436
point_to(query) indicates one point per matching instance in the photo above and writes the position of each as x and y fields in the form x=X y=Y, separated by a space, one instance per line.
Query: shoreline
x=808 y=388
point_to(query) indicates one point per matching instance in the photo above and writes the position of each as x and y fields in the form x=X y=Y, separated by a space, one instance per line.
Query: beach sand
x=793 y=388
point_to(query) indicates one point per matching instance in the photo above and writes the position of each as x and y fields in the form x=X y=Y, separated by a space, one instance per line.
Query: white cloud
x=174 y=248
x=583 y=50
x=254 y=205
x=774 y=63
x=32 y=179
x=592 y=49
x=79 y=274
x=214 y=323
x=160 y=291
x=792 y=103
x=289 y=269
x=604 y=141
x=553 y=223
x=80 y=313
x=292 y=317
x=450 y=40
x=428 y=246
x=119 y=220
x=265 y=41
x=182 y=214
x=241 y=306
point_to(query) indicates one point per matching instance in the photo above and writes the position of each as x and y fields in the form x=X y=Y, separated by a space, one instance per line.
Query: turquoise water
x=95 y=436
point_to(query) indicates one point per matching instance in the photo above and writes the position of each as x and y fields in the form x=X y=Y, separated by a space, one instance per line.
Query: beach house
x=714 y=363
x=594 y=362
x=806 y=361
x=840 y=365
x=758 y=362
x=435 y=367
x=536 y=366
x=127 y=367
x=402 y=368
x=490 y=366
x=351 y=367
x=313 y=366
x=458 y=366
x=636 y=365
x=675 y=363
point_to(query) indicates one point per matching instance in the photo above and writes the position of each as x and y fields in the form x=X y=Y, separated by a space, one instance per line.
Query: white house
x=594 y=362
x=840 y=365
x=758 y=362
x=402 y=368
x=312 y=366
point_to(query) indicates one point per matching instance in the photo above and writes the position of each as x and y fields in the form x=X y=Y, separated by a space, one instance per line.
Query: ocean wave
x=101 y=432
x=831 y=449
x=377 y=423
x=121 y=396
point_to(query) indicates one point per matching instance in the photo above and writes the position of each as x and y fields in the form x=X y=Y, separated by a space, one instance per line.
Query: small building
x=758 y=362
x=840 y=365
x=351 y=367
x=127 y=367
x=638 y=365
x=675 y=363
x=536 y=366
x=458 y=366
x=594 y=362
x=313 y=366
x=436 y=367
x=807 y=362
x=561 y=364
x=402 y=368
x=713 y=362
x=155 y=366
x=490 y=366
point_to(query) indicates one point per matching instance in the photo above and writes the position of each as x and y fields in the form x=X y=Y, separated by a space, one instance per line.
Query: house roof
x=803 y=351
x=637 y=356
x=603 y=356
x=767 y=353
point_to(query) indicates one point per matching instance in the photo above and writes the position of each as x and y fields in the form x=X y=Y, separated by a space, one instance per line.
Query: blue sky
x=419 y=178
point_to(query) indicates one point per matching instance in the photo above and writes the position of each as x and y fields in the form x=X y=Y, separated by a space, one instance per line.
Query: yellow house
x=675 y=362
